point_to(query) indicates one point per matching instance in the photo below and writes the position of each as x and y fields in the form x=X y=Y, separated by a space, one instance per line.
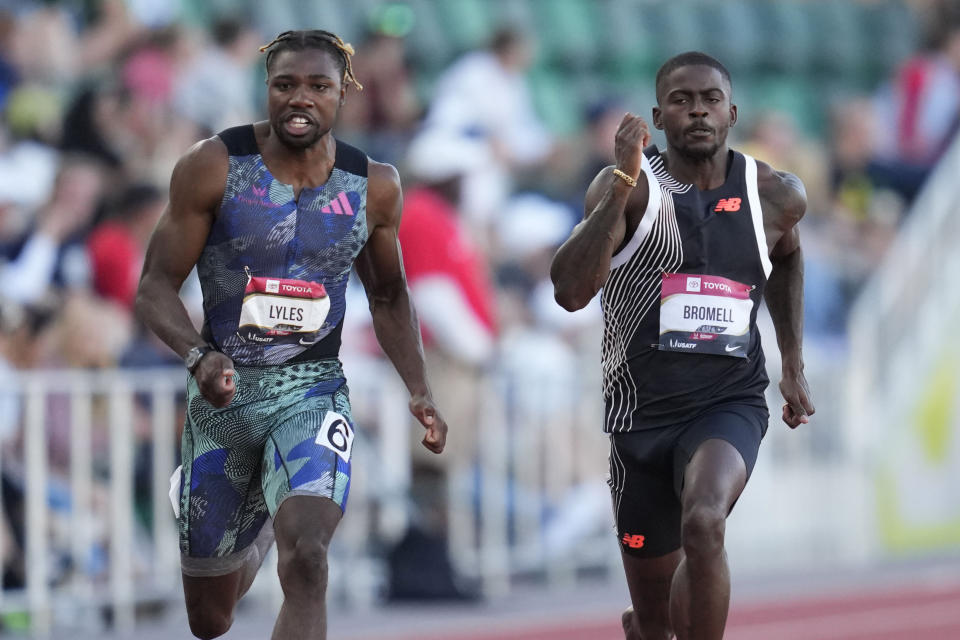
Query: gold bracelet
x=623 y=176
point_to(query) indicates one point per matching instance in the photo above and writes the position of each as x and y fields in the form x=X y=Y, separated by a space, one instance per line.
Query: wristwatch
x=192 y=359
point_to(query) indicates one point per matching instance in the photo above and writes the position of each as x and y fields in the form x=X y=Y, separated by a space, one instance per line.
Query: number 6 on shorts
x=336 y=434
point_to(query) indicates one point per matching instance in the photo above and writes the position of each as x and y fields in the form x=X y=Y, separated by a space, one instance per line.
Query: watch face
x=193 y=357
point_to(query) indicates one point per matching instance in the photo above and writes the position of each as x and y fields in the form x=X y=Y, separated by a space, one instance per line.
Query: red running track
x=928 y=612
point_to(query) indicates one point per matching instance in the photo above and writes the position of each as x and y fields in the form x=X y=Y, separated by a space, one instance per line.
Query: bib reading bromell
x=680 y=303
x=704 y=314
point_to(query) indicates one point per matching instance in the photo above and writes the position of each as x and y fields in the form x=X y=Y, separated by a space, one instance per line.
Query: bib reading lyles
x=704 y=314
x=282 y=311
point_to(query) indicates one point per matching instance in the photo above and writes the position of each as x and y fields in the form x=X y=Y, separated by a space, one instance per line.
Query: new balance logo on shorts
x=632 y=541
x=728 y=204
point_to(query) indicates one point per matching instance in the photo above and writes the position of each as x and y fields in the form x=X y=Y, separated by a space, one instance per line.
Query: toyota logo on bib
x=693 y=284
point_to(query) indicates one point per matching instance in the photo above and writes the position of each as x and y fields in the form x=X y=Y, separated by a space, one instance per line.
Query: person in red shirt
x=447 y=271
x=449 y=279
x=116 y=246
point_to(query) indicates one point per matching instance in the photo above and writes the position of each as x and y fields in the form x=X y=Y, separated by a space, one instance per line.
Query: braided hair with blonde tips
x=314 y=39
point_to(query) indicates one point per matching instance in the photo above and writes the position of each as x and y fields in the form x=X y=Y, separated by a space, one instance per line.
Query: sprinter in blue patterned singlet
x=685 y=245
x=275 y=215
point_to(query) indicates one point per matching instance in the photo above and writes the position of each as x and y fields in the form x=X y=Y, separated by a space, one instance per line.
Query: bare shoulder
x=782 y=191
x=206 y=155
x=200 y=175
x=637 y=200
x=384 y=194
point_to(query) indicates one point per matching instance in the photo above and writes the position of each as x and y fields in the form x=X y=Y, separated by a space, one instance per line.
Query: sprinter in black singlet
x=685 y=244
x=275 y=215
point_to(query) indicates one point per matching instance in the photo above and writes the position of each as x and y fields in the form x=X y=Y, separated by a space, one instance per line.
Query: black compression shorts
x=647 y=467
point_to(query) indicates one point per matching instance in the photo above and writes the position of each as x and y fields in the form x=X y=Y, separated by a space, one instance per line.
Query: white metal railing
x=901 y=328
x=527 y=466
x=539 y=506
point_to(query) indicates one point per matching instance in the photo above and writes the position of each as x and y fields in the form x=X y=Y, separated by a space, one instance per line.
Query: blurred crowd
x=99 y=99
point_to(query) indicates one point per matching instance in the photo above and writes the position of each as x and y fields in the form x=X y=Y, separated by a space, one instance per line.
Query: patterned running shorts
x=288 y=431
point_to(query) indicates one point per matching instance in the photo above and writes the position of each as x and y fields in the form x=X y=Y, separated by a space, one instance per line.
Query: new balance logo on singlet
x=728 y=204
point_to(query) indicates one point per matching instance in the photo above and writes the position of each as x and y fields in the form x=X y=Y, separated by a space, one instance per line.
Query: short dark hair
x=505 y=38
x=225 y=31
x=314 y=39
x=688 y=59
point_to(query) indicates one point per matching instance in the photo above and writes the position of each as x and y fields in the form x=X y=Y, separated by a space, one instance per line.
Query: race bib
x=704 y=314
x=282 y=311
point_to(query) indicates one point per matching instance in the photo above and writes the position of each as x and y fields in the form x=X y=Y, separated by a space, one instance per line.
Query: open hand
x=423 y=409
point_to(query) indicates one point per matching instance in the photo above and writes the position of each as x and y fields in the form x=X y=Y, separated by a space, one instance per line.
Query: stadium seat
x=893 y=31
x=676 y=32
x=569 y=33
x=795 y=95
x=430 y=48
x=730 y=33
x=841 y=43
x=787 y=37
x=469 y=23
x=556 y=103
x=628 y=43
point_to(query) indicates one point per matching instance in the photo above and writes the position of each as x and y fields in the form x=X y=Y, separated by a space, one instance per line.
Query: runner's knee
x=702 y=530
x=304 y=566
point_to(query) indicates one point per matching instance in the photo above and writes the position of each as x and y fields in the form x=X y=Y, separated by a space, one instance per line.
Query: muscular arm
x=785 y=197
x=582 y=264
x=196 y=188
x=395 y=323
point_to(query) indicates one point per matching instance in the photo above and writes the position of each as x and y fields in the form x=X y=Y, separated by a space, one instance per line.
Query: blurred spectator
x=9 y=77
x=775 y=139
x=862 y=184
x=383 y=116
x=534 y=352
x=602 y=119
x=87 y=123
x=23 y=330
x=116 y=246
x=29 y=169
x=216 y=90
x=484 y=96
x=448 y=275
x=448 y=278
x=89 y=333
x=151 y=136
x=49 y=47
x=921 y=104
x=30 y=265
x=454 y=296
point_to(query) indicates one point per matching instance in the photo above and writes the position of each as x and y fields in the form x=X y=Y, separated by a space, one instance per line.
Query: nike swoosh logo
x=728 y=348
